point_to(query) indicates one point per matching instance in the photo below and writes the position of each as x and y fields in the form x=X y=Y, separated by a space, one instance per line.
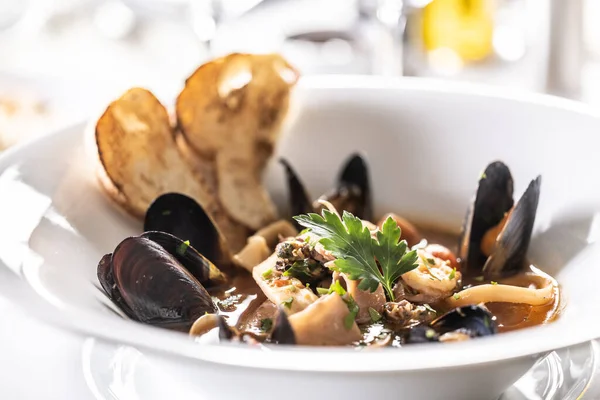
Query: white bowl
x=426 y=142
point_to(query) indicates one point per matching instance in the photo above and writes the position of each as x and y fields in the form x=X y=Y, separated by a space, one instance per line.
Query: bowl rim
x=516 y=344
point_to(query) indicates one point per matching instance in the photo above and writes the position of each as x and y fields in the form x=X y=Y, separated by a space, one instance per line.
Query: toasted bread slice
x=205 y=172
x=141 y=161
x=231 y=111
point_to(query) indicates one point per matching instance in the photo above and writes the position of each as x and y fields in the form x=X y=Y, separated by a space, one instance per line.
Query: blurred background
x=61 y=60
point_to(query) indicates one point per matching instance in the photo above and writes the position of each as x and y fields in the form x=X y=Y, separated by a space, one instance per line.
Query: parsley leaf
x=358 y=255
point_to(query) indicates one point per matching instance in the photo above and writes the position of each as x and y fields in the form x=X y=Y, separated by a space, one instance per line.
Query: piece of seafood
x=433 y=280
x=461 y=323
x=351 y=193
x=149 y=285
x=199 y=266
x=281 y=333
x=183 y=217
x=497 y=232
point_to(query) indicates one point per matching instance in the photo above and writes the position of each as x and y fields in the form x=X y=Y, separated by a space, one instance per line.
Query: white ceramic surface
x=427 y=143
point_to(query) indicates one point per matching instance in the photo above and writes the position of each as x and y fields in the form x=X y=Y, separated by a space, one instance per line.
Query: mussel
x=150 y=284
x=183 y=217
x=461 y=323
x=282 y=332
x=497 y=232
x=352 y=192
x=199 y=266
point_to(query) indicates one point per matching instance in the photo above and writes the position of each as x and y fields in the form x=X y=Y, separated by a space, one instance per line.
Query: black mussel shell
x=473 y=320
x=106 y=278
x=183 y=217
x=512 y=244
x=226 y=333
x=421 y=334
x=282 y=331
x=493 y=199
x=353 y=190
x=149 y=285
x=298 y=196
x=198 y=265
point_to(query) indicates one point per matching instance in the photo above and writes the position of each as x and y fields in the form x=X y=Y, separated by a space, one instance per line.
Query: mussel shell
x=421 y=334
x=493 y=199
x=353 y=189
x=512 y=244
x=151 y=286
x=198 y=265
x=183 y=217
x=299 y=199
x=226 y=333
x=283 y=333
x=107 y=281
x=474 y=320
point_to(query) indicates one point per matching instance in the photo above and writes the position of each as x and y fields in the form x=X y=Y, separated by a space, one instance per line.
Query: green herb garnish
x=288 y=303
x=305 y=270
x=483 y=175
x=375 y=316
x=267 y=274
x=456 y=296
x=356 y=252
x=322 y=290
x=431 y=261
x=494 y=283
x=266 y=324
x=336 y=287
x=182 y=248
x=452 y=274
x=429 y=333
x=166 y=212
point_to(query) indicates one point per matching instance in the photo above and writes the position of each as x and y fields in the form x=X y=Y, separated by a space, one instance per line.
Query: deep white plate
x=427 y=143
x=120 y=372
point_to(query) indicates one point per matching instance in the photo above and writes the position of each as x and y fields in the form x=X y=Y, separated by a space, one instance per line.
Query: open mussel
x=497 y=232
x=150 y=285
x=199 y=266
x=282 y=332
x=472 y=320
x=183 y=217
x=461 y=323
x=352 y=192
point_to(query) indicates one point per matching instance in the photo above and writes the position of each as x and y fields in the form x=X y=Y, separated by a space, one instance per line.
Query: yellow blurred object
x=463 y=26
